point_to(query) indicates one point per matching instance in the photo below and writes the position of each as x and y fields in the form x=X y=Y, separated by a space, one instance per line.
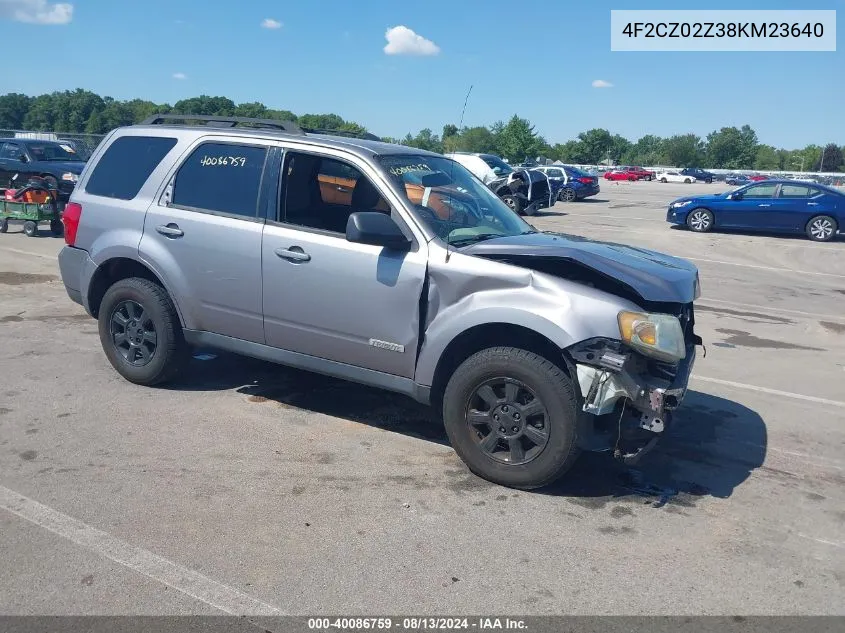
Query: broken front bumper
x=626 y=399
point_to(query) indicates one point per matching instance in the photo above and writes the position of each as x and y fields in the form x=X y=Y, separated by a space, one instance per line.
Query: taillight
x=70 y=218
x=586 y=180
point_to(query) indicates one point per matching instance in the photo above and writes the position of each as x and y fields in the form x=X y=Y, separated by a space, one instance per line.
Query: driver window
x=11 y=151
x=321 y=193
x=760 y=192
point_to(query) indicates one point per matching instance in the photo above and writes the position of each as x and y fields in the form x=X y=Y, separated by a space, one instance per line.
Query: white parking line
x=782 y=270
x=20 y=252
x=706 y=300
x=192 y=583
x=774 y=392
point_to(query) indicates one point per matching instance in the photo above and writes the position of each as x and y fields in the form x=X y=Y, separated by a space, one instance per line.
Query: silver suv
x=384 y=265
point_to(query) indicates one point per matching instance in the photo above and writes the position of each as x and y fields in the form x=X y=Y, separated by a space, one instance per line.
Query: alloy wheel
x=700 y=221
x=508 y=421
x=133 y=333
x=821 y=229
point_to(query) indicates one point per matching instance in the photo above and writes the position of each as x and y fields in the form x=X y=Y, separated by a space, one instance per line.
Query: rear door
x=792 y=207
x=205 y=231
x=329 y=298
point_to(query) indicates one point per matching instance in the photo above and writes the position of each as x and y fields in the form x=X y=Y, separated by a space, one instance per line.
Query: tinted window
x=574 y=172
x=221 y=177
x=494 y=163
x=10 y=151
x=794 y=191
x=760 y=192
x=555 y=173
x=814 y=193
x=125 y=166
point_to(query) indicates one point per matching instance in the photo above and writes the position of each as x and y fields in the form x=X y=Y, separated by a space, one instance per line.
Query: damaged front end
x=627 y=396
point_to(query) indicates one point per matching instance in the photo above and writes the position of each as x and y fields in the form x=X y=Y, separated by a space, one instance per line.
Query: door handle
x=170 y=230
x=292 y=255
x=344 y=189
x=764 y=205
x=812 y=204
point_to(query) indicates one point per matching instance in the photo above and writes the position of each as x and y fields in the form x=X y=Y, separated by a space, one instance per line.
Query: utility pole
x=821 y=160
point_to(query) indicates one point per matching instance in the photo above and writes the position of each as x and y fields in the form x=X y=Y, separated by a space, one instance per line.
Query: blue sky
x=534 y=58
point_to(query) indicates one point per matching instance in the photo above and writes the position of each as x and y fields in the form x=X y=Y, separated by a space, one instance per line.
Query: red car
x=629 y=173
x=758 y=177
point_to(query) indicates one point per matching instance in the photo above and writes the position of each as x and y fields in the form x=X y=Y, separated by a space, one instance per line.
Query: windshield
x=451 y=201
x=53 y=151
x=497 y=165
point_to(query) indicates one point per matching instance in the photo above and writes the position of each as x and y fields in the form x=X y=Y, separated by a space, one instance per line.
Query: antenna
x=452 y=170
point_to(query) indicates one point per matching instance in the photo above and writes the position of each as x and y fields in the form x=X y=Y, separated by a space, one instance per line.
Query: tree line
x=82 y=111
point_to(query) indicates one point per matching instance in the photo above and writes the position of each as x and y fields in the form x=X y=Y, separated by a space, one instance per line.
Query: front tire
x=4 y=225
x=663 y=180
x=514 y=203
x=567 y=194
x=140 y=332
x=510 y=415
x=821 y=228
x=700 y=220
x=30 y=228
x=687 y=181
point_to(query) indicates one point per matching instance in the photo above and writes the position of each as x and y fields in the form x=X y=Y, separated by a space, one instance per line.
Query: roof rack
x=348 y=133
x=223 y=121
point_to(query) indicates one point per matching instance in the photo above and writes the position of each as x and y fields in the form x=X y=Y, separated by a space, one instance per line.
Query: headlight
x=657 y=335
x=682 y=203
x=71 y=177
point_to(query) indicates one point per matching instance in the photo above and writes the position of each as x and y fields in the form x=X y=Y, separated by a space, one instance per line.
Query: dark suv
x=55 y=161
x=698 y=174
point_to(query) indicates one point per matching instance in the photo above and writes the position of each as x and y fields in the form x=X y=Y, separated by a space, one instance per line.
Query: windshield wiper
x=470 y=239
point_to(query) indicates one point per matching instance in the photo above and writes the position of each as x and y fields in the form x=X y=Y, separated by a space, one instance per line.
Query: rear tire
x=567 y=194
x=663 y=180
x=4 y=225
x=56 y=227
x=510 y=415
x=700 y=220
x=687 y=181
x=30 y=228
x=821 y=228
x=140 y=332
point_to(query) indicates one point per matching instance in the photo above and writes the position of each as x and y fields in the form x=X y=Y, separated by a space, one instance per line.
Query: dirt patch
x=757 y=316
x=836 y=328
x=19 y=279
x=744 y=339
x=12 y=318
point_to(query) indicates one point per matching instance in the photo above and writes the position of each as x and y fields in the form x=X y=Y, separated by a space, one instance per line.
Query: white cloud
x=601 y=83
x=36 y=11
x=180 y=76
x=403 y=41
x=270 y=23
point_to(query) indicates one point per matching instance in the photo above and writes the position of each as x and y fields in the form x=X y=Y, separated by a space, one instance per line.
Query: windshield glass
x=497 y=165
x=53 y=151
x=448 y=198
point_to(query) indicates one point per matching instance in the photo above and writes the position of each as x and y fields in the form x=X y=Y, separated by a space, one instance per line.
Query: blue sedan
x=777 y=206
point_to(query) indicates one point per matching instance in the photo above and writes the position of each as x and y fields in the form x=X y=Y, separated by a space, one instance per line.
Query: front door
x=204 y=234
x=11 y=163
x=753 y=209
x=330 y=298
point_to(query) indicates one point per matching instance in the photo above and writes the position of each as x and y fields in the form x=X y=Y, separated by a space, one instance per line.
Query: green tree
x=619 y=146
x=449 y=130
x=517 y=140
x=596 y=146
x=205 y=105
x=13 y=109
x=570 y=152
x=767 y=158
x=683 y=150
x=41 y=113
x=830 y=159
x=648 y=150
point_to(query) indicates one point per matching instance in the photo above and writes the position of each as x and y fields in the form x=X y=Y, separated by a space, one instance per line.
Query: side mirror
x=377 y=229
x=735 y=196
x=22 y=158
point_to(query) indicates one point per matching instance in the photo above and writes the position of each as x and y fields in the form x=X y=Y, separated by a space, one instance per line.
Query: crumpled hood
x=651 y=275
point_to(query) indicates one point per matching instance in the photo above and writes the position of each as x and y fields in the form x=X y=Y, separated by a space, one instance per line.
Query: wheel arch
x=485 y=335
x=113 y=270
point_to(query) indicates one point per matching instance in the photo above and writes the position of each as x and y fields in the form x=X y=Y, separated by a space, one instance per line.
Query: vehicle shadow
x=712 y=447
x=788 y=237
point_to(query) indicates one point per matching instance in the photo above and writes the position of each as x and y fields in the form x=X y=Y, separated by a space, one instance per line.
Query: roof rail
x=223 y=121
x=347 y=133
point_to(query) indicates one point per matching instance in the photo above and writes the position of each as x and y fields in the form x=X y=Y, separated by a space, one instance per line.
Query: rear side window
x=125 y=166
x=221 y=177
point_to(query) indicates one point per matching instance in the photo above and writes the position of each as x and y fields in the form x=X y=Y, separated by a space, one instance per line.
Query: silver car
x=385 y=265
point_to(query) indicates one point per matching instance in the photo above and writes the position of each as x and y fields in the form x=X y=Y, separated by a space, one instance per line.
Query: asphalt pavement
x=251 y=488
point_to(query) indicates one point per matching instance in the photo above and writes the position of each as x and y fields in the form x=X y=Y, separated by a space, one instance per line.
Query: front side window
x=451 y=201
x=498 y=166
x=54 y=152
x=760 y=192
x=222 y=178
x=321 y=193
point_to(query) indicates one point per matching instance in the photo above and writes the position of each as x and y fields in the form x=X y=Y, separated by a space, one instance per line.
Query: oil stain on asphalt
x=745 y=339
x=19 y=279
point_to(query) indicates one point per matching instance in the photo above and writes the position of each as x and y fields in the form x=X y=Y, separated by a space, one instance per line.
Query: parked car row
x=57 y=162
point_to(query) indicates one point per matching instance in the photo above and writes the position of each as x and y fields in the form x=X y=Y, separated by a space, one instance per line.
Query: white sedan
x=673 y=176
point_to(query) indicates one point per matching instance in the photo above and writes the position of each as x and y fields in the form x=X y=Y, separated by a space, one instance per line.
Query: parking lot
x=251 y=488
